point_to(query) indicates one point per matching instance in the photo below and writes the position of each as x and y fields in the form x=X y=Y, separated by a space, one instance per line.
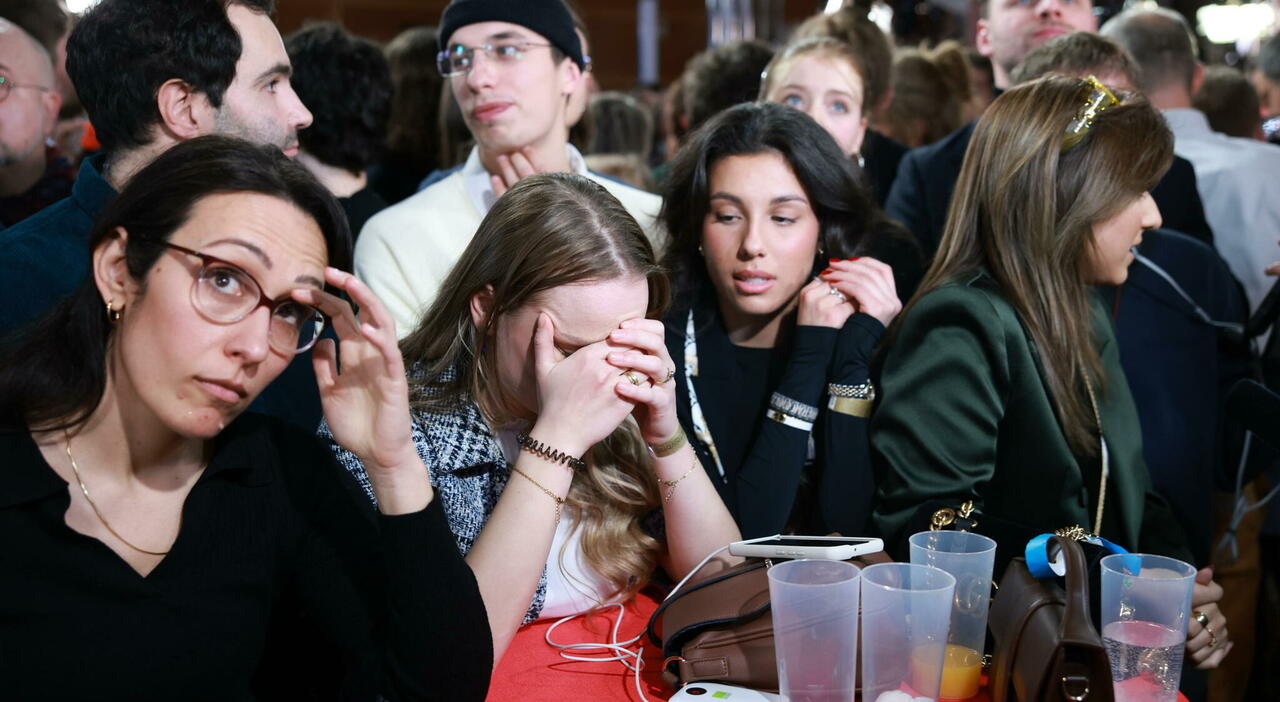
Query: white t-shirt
x=573 y=586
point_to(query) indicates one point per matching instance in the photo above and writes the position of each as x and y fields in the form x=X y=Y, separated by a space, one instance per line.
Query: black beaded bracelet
x=541 y=450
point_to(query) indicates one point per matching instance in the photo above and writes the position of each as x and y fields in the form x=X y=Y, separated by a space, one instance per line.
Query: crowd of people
x=326 y=368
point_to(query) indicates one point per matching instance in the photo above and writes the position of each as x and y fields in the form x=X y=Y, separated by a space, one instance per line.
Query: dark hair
x=53 y=373
x=415 y=97
x=722 y=77
x=44 y=20
x=345 y=82
x=1077 y=54
x=623 y=126
x=122 y=51
x=1162 y=43
x=848 y=217
x=1229 y=101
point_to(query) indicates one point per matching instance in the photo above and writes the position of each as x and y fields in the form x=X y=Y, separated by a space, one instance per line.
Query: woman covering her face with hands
x=544 y=407
x=782 y=303
x=170 y=547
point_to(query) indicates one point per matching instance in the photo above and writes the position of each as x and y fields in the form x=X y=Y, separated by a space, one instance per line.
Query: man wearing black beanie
x=512 y=65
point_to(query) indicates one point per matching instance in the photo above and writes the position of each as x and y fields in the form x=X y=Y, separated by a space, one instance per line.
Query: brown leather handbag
x=719 y=628
x=1046 y=646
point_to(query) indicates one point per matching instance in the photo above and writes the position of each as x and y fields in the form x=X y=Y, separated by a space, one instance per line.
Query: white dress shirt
x=1239 y=182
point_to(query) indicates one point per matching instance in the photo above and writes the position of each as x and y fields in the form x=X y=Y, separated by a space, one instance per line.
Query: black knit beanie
x=550 y=18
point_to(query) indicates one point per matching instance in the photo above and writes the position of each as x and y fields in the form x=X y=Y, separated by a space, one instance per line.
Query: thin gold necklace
x=76 y=469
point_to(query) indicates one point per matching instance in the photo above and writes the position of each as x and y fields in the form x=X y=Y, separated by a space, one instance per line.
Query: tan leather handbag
x=1046 y=646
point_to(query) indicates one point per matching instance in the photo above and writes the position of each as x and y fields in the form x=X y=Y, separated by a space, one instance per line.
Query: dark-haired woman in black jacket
x=157 y=543
x=785 y=271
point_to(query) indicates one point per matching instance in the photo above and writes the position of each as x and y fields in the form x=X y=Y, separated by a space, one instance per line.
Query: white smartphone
x=834 y=548
x=711 y=692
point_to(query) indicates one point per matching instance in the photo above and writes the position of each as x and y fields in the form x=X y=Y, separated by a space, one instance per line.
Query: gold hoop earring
x=113 y=314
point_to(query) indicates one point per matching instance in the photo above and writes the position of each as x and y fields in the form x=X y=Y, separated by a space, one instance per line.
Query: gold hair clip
x=1100 y=98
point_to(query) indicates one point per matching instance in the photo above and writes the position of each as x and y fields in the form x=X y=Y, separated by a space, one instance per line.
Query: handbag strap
x=1076 y=626
x=673 y=597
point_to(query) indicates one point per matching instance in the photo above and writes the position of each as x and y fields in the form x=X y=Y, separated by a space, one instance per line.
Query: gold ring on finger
x=1213 y=640
x=671 y=373
x=631 y=375
x=1201 y=618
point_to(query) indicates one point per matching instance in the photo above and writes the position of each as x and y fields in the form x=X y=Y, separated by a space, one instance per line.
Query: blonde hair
x=549 y=230
x=821 y=47
x=1025 y=211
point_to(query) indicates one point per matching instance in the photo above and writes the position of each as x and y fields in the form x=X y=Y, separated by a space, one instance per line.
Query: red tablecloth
x=532 y=671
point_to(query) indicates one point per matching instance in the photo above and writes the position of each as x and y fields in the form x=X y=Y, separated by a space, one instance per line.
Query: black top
x=764 y=460
x=360 y=207
x=880 y=158
x=283 y=584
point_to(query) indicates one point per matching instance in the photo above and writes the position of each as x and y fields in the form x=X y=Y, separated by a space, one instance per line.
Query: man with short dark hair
x=346 y=83
x=513 y=66
x=151 y=73
x=1239 y=179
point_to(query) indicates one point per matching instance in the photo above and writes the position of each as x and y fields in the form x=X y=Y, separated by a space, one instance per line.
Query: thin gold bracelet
x=671 y=445
x=671 y=484
x=559 y=500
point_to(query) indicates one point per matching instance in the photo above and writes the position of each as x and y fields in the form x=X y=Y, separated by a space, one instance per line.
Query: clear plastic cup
x=815 y=629
x=1146 y=603
x=969 y=558
x=906 y=613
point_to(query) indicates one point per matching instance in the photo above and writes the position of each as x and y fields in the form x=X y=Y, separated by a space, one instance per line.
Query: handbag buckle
x=1075 y=687
x=942 y=518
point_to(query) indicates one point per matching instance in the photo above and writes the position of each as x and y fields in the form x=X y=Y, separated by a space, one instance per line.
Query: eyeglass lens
x=227 y=294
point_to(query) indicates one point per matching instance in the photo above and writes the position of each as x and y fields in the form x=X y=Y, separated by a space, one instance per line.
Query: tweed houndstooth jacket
x=466 y=465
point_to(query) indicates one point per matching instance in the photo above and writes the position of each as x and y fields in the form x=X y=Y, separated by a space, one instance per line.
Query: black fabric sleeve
x=392 y=592
x=847 y=486
x=766 y=485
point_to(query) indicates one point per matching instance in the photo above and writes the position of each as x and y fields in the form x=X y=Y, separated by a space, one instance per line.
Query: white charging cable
x=615 y=650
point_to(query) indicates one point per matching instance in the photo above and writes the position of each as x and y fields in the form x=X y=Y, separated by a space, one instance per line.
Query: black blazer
x=927 y=176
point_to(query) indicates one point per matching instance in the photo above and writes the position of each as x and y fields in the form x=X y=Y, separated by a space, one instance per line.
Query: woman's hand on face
x=1205 y=596
x=868 y=284
x=577 y=404
x=367 y=403
x=820 y=307
x=647 y=358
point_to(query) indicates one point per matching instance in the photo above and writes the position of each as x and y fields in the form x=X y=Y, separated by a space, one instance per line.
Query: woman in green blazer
x=1001 y=385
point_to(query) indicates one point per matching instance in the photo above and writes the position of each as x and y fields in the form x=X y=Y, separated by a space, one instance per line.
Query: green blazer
x=965 y=414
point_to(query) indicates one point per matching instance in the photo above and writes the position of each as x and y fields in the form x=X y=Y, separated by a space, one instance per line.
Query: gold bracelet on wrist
x=670 y=446
x=671 y=484
x=559 y=500
x=852 y=406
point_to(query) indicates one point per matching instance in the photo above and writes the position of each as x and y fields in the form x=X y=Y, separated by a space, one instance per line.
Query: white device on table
x=715 y=692
x=834 y=548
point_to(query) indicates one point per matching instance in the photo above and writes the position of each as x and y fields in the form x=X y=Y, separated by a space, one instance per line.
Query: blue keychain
x=1042 y=564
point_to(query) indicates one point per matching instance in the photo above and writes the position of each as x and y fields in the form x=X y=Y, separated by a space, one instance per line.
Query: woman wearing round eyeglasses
x=157 y=543
x=1002 y=395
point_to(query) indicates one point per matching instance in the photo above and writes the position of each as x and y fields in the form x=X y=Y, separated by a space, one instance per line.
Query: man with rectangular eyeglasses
x=513 y=66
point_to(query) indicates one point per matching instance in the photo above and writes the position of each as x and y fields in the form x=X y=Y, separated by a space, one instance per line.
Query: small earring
x=700 y=250
x=821 y=252
x=113 y=314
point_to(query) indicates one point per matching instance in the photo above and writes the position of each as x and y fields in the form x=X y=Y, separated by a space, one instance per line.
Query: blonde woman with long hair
x=542 y=403
x=1002 y=387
